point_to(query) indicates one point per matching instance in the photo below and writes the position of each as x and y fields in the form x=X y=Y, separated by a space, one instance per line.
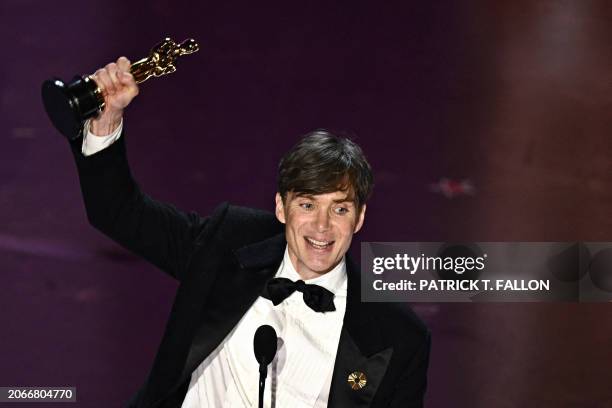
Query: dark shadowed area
x=483 y=121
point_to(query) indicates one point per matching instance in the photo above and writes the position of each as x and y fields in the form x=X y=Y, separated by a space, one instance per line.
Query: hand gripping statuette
x=70 y=105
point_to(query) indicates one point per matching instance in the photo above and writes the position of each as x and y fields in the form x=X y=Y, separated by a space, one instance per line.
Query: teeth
x=319 y=244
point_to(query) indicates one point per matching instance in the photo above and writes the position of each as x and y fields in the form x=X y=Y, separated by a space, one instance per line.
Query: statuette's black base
x=68 y=106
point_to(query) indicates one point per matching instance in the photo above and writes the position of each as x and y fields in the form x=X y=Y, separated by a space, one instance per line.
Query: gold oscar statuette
x=70 y=105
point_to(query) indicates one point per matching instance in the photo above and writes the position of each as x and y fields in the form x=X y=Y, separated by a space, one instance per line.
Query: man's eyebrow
x=305 y=195
x=347 y=199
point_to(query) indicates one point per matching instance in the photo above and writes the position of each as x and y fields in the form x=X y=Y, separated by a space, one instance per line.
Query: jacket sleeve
x=410 y=388
x=160 y=233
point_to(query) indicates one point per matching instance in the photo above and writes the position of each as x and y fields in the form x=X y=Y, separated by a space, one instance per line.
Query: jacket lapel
x=361 y=352
x=233 y=294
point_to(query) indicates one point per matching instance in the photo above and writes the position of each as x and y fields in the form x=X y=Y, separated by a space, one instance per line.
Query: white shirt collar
x=334 y=280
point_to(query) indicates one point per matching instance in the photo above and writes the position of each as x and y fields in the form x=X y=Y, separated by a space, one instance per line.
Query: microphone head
x=264 y=344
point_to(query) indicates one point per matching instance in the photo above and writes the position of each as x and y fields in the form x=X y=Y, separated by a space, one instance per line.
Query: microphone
x=264 y=346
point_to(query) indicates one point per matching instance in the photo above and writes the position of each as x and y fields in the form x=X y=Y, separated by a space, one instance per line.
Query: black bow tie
x=316 y=297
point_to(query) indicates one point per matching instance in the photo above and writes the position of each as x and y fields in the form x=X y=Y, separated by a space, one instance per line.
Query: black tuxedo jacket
x=222 y=262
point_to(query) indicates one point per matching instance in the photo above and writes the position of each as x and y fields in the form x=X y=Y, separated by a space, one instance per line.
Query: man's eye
x=306 y=206
x=341 y=210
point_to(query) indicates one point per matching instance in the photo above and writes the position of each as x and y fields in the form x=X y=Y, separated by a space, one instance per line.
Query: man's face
x=319 y=229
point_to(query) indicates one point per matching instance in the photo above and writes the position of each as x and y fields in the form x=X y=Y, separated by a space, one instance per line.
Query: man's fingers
x=124 y=64
x=112 y=70
x=104 y=82
x=116 y=83
x=126 y=78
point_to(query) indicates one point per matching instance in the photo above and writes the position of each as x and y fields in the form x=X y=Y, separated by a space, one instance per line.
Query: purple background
x=515 y=97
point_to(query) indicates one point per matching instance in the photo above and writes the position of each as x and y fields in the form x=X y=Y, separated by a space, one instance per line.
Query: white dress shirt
x=300 y=374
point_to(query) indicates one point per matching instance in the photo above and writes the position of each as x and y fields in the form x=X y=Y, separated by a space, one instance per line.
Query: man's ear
x=360 y=219
x=280 y=208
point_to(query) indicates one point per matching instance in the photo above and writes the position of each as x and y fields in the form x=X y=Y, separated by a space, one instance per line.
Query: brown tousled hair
x=323 y=163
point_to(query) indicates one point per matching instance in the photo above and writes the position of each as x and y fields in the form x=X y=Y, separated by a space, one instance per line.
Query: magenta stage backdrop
x=483 y=121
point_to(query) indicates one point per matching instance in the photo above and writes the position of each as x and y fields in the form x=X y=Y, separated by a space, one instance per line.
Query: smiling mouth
x=319 y=244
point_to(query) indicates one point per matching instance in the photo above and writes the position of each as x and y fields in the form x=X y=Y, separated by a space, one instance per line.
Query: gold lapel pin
x=357 y=380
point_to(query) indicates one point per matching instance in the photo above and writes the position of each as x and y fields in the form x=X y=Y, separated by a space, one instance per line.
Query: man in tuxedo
x=240 y=268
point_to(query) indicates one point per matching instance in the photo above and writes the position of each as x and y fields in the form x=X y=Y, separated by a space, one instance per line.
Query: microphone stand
x=263 y=373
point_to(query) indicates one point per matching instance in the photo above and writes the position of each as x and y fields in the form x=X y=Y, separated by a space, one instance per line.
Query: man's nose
x=322 y=221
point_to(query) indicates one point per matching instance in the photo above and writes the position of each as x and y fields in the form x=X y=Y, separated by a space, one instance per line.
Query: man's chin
x=320 y=268
x=316 y=264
